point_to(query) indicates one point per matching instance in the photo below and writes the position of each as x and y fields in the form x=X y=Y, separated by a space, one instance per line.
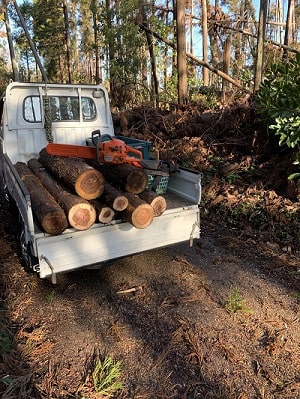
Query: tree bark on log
x=47 y=211
x=82 y=178
x=124 y=176
x=114 y=198
x=104 y=213
x=80 y=213
x=158 y=202
x=138 y=212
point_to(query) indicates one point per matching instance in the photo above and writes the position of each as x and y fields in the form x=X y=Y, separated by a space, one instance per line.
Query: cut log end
x=82 y=216
x=158 y=202
x=120 y=203
x=138 y=213
x=106 y=215
x=90 y=185
x=142 y=216
x=136 y=182
x=115 y=198
x=87 y=182
x=159 y=205
x=54 y=223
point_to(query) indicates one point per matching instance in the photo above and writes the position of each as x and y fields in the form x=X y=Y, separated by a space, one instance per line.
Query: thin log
x=158 y=202
x=80 y=213
x=138 y=212
x=114 y=198
x=104 y=213
x=47 y=211
x=76 y=174
x=125 y=177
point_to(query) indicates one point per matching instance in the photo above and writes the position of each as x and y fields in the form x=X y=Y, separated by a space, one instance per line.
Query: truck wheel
x=25 y=253
x=28 y=260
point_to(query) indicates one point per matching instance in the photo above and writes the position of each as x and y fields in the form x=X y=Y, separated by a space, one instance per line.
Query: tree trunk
x=104 y=213
x=14 y=63
x=289 y=27
x=151 y=54
x=110 y=45
x=49 y=214
x=138 y=212
x=124 y=177
x=205 y=42
x=260 y=43
x=98 y=75
x=181 y=52
x=67 y=41
x=85 y=180
x=114 y=198
x=158 y=202
x=226 y=63
x=80 y=213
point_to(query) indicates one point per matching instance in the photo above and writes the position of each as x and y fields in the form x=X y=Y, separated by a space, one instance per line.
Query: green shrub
x=278 y=103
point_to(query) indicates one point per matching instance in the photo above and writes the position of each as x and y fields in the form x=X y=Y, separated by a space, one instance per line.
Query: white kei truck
x=27 y=125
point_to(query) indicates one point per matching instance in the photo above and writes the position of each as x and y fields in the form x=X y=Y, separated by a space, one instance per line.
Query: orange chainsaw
x=106 y=149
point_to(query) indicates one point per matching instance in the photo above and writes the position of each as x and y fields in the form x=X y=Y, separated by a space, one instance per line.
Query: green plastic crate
x=160 y=185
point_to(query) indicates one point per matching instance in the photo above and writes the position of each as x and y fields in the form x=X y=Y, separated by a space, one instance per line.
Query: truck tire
x=28 y=260
x=25 y=253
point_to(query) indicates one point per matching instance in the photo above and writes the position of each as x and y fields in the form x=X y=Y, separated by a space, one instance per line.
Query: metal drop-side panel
x=73 y=250
x=100 y=243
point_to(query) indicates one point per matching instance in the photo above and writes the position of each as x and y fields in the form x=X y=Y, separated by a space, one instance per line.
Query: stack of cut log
x=70 y=192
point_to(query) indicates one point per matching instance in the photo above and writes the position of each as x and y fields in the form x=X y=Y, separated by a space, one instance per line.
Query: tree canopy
x=133 y=46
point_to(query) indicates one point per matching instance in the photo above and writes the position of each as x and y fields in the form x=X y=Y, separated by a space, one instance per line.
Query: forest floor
x=217 y=320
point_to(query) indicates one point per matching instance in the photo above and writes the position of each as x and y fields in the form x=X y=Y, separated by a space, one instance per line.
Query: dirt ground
x=217 y=320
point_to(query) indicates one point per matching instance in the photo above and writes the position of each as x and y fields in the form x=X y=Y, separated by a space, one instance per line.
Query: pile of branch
x=231 y=125
x=68 y=192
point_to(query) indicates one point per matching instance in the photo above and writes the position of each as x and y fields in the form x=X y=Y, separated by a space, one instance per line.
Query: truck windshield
x=58 y=108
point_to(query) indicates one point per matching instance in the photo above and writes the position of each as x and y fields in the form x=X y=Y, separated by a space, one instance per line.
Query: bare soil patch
x=216 y=320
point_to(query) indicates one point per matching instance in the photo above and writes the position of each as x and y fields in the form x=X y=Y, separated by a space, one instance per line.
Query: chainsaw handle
x=132 y=150
x=105 y=137
x=97 y=137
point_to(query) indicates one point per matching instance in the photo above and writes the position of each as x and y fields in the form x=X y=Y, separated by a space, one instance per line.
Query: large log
x=158 y=202
x=48 y=213
x=80 y=213
x=104 y=213
x=82 y=178
x=138 y=212
x=114 y=198
x=124 y=176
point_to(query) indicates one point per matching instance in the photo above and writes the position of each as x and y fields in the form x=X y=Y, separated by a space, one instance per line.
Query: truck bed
x=75 y=249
